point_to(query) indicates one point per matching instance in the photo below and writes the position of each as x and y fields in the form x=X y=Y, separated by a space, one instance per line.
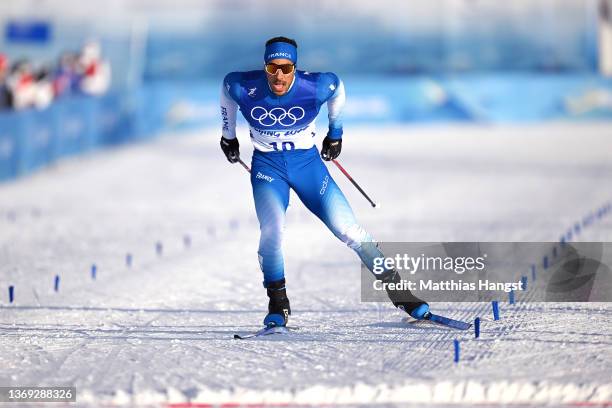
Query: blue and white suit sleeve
x=229 y=108
x=335 y=105
x=330 y=89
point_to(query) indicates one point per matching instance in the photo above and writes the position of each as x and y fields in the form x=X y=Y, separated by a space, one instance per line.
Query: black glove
x=331 y=148
x=231 y=148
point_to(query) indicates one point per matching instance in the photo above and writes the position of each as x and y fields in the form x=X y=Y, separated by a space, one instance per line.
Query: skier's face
x=278 y=81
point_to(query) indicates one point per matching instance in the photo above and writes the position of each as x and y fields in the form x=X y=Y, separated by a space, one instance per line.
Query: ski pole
x=244 y=165
x=354 y=183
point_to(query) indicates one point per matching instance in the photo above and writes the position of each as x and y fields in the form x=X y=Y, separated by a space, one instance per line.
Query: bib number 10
x=283 y=146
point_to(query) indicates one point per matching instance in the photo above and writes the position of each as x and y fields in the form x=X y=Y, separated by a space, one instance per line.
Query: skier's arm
x=335 y=105
x=229 y=142
x=332 y=144
x=229 y=107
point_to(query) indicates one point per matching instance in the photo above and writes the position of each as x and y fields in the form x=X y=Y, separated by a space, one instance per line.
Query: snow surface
x=161 y=330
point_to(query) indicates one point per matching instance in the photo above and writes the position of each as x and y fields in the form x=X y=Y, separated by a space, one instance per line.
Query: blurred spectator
x=4 y=94
x=96 y=71
x=21 y=85
x=22 y=88
x=67 y=77
x=44 y=94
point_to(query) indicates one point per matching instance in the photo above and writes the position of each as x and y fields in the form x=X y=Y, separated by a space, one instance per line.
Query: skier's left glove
x=231 y=148
x=331 y=148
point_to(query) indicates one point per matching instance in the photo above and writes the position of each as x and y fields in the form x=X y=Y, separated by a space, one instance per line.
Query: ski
x=446 y=321
x=266 y=331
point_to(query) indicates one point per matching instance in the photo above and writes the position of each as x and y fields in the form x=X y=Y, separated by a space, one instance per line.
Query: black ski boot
x=278 y=307
x=403 y=298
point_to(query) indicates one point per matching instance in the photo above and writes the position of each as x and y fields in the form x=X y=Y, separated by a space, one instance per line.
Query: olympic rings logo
x=277 y=115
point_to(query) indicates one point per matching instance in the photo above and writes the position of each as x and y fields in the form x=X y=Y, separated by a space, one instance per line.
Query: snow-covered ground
x=161 y=330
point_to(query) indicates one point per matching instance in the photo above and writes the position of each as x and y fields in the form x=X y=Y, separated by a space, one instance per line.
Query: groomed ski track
x=160 y=332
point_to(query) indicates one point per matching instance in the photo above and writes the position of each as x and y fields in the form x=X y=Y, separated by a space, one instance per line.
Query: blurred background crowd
x=26 y=84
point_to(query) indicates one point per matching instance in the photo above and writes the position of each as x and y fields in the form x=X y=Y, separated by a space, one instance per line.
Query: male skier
x=280 y=105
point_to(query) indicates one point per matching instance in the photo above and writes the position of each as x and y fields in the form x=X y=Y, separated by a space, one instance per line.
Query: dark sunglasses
x=285 y=68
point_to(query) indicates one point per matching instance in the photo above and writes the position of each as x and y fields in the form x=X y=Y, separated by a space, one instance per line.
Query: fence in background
x=33 y=139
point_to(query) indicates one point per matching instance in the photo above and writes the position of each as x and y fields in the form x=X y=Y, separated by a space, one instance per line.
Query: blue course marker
x=456 y=343
x=11 y=293
x=545 y=262
x=495 y=306
x=56 y=283
x=94 y=270
x=159 y=248
x=524 y=282
x=128 y=260
x=554 y=252
x=533 y=272
x=577 y=228
x=187 y=240
x=511 y=297
x=477 y=327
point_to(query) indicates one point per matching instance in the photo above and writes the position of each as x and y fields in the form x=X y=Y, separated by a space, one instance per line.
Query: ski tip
x=455 y=324
x=462 y=325
x=237 y=336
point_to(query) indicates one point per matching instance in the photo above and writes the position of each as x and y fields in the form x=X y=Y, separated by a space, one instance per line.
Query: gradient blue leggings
x=272 y=175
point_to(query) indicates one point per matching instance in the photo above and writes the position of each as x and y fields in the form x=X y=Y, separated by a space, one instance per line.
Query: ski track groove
x=57 y=364
x=383 y=340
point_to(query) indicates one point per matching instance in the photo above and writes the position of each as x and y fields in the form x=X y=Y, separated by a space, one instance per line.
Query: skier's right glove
x=231 y=148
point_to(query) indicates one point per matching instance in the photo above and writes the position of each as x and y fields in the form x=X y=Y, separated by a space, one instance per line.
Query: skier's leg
x=271 y=195
x=322 y=196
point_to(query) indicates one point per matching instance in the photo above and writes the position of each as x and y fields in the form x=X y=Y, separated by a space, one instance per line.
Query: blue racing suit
x=282 y=130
